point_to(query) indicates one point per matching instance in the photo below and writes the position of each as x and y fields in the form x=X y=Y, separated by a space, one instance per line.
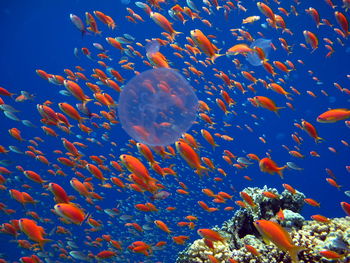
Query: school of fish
x=92 y=197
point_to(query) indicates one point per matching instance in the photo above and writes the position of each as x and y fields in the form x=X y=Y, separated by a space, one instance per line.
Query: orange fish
x=164 y=23
x=16 y=133
x=190 y=156
x=205 y=45
x=269 y=166
x=321 y=218
x=252 y=250
x=70 y=111
x=266 y=10
x=210 y=235
x=33 y=231
x=160 y=224
x=239 y=49
x=334 y=115
x=343 y=22
x=311 y=130
x=273 y=232
x=180 y=240
x=34 y=176
x=311 y=39
x=70 y=212
x=267 y=103
x=59 y=193
x=311 y=202
x=346 y=207
x=76 y=91
x=248 y=199
x=105 y=19
x=330 y=254
x=95 y=171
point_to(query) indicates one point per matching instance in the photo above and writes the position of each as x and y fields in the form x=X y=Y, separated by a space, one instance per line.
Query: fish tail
x=215 y=56
x=318 y=139
x=293 y=252
x=43 y=242
x=174 y=34
x=200 y=170
x=277 y=109
x=280 y=171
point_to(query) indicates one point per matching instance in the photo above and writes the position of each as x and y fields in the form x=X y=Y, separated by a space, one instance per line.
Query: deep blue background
x=39 y=35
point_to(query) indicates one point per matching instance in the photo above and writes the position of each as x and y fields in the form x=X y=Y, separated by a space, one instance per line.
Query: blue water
x=39 y=35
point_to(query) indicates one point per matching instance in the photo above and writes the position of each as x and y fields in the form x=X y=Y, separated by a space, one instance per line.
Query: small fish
x=27 y=95
x=11 y=116
x=28 y=123
x=210 y=235
x=243 y=160
x=99 y=47
x=160 y=195
x=293 y=166
x=9 y=108
x=125 y=217
x=15 y=149
x=78 y=255
x=128 y=36
x=76 y=52
x=72 y=244
x=65 y=93
x=123 y=40
x=6 y=162
x=78 y=23
x=110 y=212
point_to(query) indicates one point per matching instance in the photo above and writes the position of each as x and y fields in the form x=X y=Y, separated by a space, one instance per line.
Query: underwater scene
x=185 y=131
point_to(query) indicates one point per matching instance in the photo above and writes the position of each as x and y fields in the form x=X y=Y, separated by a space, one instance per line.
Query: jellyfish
x=157 y=106
x=265 y=45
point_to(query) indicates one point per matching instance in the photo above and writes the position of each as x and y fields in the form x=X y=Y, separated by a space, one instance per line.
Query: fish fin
x=87 y=216
x=201 y=169
x=43 y=242
x=280 y=171
x=266 y=240
x=277 y=109
x=319 y=139
x=212 y=59
x=174 y=34
x=293 y=252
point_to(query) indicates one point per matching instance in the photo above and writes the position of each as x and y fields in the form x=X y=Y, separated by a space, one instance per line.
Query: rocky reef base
x=314 y=236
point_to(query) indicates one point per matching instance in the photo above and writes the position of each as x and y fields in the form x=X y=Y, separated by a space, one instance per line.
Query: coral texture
x=314 y=236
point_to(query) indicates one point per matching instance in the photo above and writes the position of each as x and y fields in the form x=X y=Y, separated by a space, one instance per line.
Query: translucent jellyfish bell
x=265 y=45
x=157 y=106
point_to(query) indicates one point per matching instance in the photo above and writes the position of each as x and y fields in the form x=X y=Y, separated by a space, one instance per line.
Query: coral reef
x=198 y=252
x=314 y=236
